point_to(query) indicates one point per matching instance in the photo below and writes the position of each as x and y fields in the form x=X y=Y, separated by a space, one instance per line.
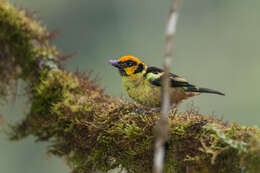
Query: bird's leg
x=155 y=110
x=141 y=111
x=174 y=107
x=152 y=110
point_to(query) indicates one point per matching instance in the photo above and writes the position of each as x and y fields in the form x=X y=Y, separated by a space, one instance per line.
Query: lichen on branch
x=94 y=131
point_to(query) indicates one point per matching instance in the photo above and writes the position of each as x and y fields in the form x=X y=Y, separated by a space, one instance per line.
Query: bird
x=143 y=83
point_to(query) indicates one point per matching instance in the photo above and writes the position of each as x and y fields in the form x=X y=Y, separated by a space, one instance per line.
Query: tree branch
x=163 y=125
x=93 y=131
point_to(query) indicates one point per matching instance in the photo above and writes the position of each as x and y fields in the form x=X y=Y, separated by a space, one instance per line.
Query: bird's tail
x=204 y=90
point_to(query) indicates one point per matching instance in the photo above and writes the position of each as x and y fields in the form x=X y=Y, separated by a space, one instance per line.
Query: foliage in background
x=93 y=131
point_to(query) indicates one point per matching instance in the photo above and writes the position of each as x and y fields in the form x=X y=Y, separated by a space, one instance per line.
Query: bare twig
x=162 y=126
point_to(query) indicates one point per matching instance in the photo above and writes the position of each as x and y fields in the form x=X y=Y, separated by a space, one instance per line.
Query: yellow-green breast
x=143 y=92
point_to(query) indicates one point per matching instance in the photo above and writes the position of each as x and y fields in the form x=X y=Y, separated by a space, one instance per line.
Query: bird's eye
x=130 y=63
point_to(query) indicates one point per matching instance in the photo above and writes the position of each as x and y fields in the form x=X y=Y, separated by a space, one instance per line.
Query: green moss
x=23 y=43
x=93 y=131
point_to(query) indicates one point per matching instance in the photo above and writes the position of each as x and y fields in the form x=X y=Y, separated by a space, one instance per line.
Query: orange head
x=128 y=65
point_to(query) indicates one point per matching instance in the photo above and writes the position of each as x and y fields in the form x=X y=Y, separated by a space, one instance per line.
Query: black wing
x=155 y=75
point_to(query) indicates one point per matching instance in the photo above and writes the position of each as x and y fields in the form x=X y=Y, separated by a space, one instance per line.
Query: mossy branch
x=93 y=131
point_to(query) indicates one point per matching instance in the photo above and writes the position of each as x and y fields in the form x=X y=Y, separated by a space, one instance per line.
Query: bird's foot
x=155 y=110
x=152 y=110
x=174 y=108
x=141 y=111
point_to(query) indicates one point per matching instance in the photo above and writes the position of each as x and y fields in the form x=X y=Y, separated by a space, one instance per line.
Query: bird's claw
x=143 y=111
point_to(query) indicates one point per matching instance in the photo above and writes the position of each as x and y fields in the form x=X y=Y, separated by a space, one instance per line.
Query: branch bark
x=93 y=131
x=163 y=125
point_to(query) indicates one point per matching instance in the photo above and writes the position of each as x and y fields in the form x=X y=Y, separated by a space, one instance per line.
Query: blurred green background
x=217 y=46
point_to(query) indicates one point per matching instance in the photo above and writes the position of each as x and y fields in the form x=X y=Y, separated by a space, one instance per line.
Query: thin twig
x=162 y=126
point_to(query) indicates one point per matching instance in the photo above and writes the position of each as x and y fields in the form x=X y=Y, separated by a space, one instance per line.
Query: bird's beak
x=114 y=63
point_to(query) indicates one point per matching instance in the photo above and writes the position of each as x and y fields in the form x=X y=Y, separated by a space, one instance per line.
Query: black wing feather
x=177 y=81
x=174 y=79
